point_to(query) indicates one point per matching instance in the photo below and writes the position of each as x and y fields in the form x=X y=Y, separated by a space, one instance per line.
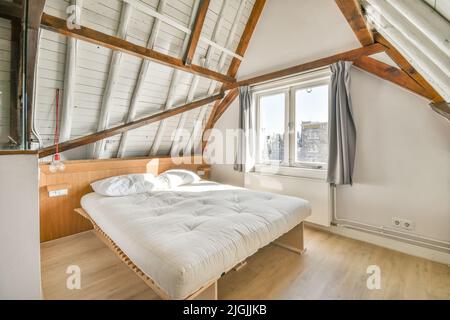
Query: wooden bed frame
x=292 y=240
x=58 y=218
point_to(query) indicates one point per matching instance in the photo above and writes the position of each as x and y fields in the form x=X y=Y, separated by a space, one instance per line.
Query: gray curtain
x=245 y=146
x=342 y=130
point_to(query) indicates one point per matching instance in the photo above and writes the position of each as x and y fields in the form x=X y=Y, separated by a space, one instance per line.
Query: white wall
x=402 y=163
x=403 y=147
x=19 y=228
x=291 y=32
x=224 y=172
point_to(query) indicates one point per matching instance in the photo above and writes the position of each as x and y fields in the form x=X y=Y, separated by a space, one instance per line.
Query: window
x=272 y=131
x=311 y=125
x=292 y=124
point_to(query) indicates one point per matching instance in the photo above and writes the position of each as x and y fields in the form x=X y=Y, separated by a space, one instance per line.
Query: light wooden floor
x=333 y=267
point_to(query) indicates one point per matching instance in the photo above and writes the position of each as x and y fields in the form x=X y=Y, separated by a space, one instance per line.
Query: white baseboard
x=385 y=242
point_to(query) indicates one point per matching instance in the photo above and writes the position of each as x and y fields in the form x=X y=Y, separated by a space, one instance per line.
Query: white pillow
x=125 y=185
x=176 y=177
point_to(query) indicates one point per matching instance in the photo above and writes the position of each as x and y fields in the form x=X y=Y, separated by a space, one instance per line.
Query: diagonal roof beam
x=75 y=143
x=351 y=55
x=401 y=61
x=219 y=109
x=196 y=32
x=198 y=126
x=111 y=81
x=352 y=11
x=241 y=49
x=10 y=10
x=442 y=108
x=246 y=36
x=207 y=62
x=391 y=74
x=59 y=25
x=143 y=72
x=172 y=88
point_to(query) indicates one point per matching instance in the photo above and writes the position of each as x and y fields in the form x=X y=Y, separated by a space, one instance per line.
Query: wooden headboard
x=57 y=216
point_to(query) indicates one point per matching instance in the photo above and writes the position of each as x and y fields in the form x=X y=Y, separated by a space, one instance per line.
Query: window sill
x=296 y=172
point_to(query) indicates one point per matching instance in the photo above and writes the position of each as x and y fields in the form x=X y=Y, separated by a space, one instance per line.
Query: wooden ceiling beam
x=246 y=36
x=400 y=60
x=391 y=74
x=224 y=104
x=86 y=34
x=156 y=143
x=10 y=10
x=35 y=12
x=442 y=108
x=352 y=11
x=351 y=55
x=235 y=63
x=196 y=32
x=16 y=79
x=219 y=108
x=75 y=143
x=197 y=129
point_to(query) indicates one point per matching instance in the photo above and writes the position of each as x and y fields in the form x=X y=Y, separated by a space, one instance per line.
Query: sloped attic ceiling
x=87 y=71
x=161 y=87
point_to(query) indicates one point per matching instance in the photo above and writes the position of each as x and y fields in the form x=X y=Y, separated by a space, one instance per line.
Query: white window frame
x=292 y=146
x=289 y=86
x=258 y=96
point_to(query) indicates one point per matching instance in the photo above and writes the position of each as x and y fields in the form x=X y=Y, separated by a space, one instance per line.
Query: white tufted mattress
x=190 y=235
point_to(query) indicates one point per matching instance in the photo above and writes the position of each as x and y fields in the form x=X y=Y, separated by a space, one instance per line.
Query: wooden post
x=16 y=79
x=34 y=14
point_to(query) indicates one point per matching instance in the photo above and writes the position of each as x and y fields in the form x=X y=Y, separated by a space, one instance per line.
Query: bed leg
x=293 y=240
x=209 y=293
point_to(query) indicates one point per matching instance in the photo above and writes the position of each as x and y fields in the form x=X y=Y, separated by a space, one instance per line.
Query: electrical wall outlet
x=58 y=193
x=402 y=223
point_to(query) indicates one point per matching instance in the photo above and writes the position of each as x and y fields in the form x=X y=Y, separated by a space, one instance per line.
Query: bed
x=182 y=240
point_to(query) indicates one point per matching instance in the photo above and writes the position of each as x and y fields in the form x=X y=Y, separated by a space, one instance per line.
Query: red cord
x=56 y=140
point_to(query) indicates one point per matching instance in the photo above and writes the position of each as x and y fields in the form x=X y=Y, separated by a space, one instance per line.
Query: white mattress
x=190 y=235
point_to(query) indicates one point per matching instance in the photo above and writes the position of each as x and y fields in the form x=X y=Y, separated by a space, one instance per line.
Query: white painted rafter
x=198 y=126
x=111 y=82
x=427 y=19
x=143 y=72
x=415 y=35
x=152 y=12
x=69 y=81
x=422 y=62
x=173 y=86
x=177 y=143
